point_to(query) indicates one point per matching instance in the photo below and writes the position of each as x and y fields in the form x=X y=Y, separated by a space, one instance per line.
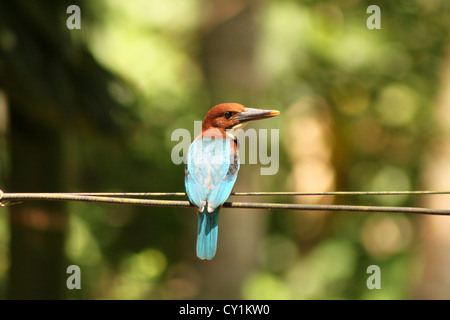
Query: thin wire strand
x=246 y=205
x=338 y=193
x=131 y=194
x=334 y=193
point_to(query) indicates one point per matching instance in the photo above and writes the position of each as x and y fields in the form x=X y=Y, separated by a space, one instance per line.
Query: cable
x=244 y=205
x=333 y=193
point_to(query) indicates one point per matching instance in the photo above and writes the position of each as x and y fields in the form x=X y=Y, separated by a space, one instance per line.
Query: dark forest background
x=93 y=109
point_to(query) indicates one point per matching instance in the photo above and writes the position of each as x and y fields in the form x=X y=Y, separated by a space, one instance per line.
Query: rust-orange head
x=233 y=115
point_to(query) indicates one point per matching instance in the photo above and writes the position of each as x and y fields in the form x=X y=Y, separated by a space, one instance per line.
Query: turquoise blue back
x=210 y=174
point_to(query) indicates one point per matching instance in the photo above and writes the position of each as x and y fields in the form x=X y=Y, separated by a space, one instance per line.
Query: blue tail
x=208 y=228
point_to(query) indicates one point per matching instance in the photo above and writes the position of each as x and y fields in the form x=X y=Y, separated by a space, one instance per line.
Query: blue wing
x=210 y=172
x=220 y=194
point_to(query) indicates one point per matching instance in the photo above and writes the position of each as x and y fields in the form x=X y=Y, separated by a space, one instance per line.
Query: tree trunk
x=435 y=235
x=37 y=269
x=228 y=49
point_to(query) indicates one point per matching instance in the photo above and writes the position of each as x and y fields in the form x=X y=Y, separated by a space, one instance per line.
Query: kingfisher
x=212 y=166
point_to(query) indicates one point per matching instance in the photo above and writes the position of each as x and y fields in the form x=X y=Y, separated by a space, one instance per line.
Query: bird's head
x=233 y=115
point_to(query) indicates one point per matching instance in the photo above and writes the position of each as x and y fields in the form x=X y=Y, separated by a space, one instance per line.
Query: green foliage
x=378 y=87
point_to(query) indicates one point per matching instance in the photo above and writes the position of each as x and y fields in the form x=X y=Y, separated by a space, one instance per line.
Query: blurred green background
x=93 y=110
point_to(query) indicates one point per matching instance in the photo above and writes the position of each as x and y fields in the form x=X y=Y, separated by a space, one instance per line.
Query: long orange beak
x=250 y=114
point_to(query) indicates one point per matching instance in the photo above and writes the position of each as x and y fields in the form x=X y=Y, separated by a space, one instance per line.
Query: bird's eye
x=228 y=114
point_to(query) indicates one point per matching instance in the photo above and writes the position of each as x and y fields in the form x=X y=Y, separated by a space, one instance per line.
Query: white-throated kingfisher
x=212 y=166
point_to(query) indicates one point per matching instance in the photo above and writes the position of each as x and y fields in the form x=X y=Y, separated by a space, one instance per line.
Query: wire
x=132 y=194
x=319 y=207
x=340 y=193
x=186 y=204
x=88 y=198
x=334 y=193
